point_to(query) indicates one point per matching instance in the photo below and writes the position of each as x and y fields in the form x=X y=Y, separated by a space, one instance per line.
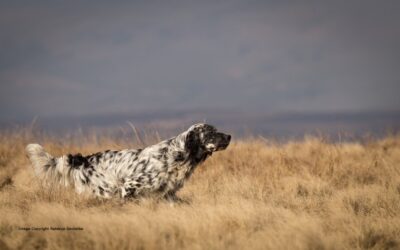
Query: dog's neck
x=179 y=141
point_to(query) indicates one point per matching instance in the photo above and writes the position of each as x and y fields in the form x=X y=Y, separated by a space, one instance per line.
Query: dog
x=158 y=170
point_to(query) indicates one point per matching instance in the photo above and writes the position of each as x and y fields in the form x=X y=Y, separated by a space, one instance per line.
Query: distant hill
x=279 y=126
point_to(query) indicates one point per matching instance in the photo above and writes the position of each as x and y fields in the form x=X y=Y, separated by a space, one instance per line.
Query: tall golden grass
x=258 y=194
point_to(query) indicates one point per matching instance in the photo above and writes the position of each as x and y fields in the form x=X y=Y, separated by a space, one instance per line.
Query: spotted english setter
x=158 y=170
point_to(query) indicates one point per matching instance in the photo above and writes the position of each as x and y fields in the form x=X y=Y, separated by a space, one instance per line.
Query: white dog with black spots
x=158 y=170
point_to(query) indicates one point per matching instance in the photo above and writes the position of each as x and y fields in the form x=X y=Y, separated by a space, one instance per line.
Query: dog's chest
x=177 y=175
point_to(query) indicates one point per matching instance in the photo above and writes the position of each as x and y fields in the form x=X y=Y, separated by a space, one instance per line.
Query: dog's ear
x=193 y=145
x=192 y=142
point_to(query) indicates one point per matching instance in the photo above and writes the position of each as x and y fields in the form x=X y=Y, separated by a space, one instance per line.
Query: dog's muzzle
x=224 y=141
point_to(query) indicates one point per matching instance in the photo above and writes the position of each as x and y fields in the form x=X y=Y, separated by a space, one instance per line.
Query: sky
x=78 y=58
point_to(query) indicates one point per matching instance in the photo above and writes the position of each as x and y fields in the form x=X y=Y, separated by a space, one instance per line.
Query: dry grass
x=256 y=195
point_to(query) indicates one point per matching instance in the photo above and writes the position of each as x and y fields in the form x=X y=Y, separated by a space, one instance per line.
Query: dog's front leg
x=173 y=198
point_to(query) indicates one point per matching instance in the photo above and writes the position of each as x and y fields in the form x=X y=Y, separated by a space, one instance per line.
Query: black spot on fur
x=95 y=158
x=163 y=150
x=101 y=190
x=78 y=160
x=130 y=192
x=162 y=187
x=133 y=159
x=86 y=179
x=112 y=153
x=162 y=153
x=179 y=156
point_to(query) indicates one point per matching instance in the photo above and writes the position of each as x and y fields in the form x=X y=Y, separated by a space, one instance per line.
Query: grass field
x=309 y=194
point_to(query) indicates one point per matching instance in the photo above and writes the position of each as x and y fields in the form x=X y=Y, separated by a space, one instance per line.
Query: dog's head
x=203 y=139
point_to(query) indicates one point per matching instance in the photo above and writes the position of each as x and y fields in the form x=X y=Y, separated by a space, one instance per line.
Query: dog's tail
x=46 y=166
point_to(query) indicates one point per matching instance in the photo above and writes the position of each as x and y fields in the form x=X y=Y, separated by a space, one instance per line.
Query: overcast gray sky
x=61 y=58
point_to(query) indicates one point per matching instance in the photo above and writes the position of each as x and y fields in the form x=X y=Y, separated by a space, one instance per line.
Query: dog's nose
x=228 y=137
